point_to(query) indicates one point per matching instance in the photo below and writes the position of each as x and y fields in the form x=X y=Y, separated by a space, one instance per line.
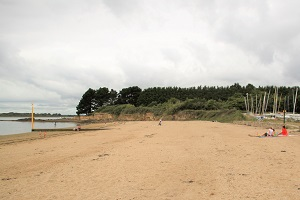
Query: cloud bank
x=51 y=52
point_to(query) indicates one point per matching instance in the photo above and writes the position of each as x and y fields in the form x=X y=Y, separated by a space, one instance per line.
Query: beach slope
x=141 y=160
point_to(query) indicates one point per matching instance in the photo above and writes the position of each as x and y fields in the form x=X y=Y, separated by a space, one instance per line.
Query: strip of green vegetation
x=187 y=110
x=213 y=115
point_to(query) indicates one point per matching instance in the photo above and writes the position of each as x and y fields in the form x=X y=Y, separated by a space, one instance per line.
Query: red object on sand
x=284 y=132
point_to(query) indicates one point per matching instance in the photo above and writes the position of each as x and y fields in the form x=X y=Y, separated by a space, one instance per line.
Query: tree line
x=204 y=97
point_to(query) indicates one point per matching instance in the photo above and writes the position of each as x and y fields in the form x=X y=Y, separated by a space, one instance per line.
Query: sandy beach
x=141 y=160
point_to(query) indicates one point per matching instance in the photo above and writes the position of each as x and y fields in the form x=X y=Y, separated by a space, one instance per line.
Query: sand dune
x=141 y=160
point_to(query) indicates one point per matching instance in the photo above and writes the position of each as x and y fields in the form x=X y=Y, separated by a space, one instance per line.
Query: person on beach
x=78 y=128
x=160 y=121
x=269 y=133
x=283 y=131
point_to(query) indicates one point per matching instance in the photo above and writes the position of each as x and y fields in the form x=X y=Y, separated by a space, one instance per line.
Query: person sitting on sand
x=269 y=133
x=283 y=131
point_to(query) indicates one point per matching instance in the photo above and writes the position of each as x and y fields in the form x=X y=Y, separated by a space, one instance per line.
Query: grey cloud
x=52 y=51
x=291 y=70
x=200 y=51
x=11 y=64
x=120 y=7
x=259 y=29
x=172 y=55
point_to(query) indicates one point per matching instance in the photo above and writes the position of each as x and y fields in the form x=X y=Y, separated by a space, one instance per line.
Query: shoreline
x=16 y=127
x=40 y=120
x=36 y=135
x=90 y=124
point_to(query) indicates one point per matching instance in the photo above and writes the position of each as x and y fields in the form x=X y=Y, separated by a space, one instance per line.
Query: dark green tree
x=198 y=97
x=102 y=97
x=112 y=97
x=250 y=89
x=212 y=105
x=236 y=101
x=129 y=95
x=87 y=103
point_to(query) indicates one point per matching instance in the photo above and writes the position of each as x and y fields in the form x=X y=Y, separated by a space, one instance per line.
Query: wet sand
x=141 y=160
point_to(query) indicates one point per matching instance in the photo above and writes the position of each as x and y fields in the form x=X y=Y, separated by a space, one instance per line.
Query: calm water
x=15 y=127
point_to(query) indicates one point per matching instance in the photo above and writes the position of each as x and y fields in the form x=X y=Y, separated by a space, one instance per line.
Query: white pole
x=32 y=117
x=274 y=98
x=256 y=104
x=259 y=105
x=264 y=104
x=252 y=108
x=275 y=101
x=295 y=101
x=245 y=103
x=278 y=110
x=267 y=101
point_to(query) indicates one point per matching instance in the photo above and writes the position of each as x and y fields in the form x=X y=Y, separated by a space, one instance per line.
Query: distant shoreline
x=13 y=114
x=42 y=120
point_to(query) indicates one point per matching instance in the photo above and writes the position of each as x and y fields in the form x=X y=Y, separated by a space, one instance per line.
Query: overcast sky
x=52 y=51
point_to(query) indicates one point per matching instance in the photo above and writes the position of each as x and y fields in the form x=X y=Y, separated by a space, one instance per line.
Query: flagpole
x=32 y=121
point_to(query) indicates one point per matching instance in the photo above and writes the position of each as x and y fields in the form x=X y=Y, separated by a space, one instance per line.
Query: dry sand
x=141 y=160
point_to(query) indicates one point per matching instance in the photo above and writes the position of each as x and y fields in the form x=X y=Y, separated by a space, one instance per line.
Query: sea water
x=9 y=126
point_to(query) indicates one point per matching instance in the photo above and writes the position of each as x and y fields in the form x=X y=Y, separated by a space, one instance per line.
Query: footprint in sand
x=151 y=135
x=100 y=156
